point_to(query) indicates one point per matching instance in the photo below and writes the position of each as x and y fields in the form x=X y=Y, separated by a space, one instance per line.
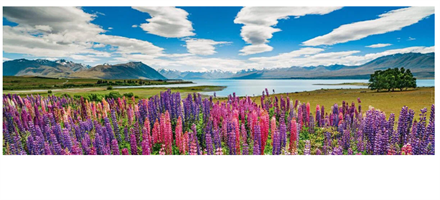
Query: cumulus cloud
x=45 y=28
x=84 y=58
x=254 y=49
x=411 y=38
x=6 y=59
x=202 y=46
x=167 y=22
x=380 y=45
x=259 y=24
x=65 y=32
x=98 y=45
x=391 y=21
x=134 y=26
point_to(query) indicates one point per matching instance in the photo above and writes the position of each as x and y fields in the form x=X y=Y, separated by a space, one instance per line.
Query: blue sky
x=216 y=38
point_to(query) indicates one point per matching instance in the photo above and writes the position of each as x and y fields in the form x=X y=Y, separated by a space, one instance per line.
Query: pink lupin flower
x=124 y=151
x=179 y=136
x=273 y=127
x=293 y=136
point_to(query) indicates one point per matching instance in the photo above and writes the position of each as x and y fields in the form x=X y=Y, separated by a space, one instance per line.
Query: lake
x=250 y=87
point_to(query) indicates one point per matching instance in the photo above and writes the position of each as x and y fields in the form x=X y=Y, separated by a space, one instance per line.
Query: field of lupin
x=168 y=124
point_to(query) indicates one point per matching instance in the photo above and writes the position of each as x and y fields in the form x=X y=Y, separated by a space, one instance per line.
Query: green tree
x=391 y=79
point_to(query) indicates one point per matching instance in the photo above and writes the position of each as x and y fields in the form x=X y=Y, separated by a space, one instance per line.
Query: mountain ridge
x=422 y=66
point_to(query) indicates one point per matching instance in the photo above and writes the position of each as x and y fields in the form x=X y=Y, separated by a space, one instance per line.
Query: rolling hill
x=131 y=70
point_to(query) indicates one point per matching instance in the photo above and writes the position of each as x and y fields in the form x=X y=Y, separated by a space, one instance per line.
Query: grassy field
x=139 y=92
x=389 y=102
x=26 y=82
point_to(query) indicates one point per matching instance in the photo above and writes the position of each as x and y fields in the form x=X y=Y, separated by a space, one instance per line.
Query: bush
x=76 y=96
x=49 y=92
x=109 y=88
x=128 y=94
x=94 y=97
x=113 y=95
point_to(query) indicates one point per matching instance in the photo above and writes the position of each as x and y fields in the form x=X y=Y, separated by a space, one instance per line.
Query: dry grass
x=389 y=102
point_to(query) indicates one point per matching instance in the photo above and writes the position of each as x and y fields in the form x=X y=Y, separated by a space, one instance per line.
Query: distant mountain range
x=68 y=69
x=422 y=66
x=41 y=67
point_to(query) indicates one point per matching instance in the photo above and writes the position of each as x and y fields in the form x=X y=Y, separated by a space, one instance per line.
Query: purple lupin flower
x=66 y=139
x=133 y=144
x=115 y=147
x=145 y=147
x=337 y=151
x=126 y=134
x=307 y=147
x=245 y=149
x=318 y=152
x=256 y=150
x=47 y=150
x=115 y=126
x=209 y=148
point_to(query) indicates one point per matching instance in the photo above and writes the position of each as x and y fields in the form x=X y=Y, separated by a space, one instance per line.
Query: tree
x=392 y=79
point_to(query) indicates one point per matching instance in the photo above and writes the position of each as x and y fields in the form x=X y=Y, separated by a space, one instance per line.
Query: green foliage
x=92 y=97
x=109 y=88
x=113 y=95
x=49 y=91
x=66 y=95
x=130 y=94
x=391 y=79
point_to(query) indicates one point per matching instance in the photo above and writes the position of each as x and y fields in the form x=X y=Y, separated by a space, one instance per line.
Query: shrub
x=109 y=88
x=128 y=94
x=49 y=92
x=113 y=95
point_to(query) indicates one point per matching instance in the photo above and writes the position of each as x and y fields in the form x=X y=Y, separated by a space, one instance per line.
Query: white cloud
x=98 y=45
x=6 y=59
x=411 y=38
x=45 y=28
x=391 y=21
x=167 y=22
x=84 y=58
x=254 y=49
x=196 y=63
x=259 y=24
x=65 y=32
x=379 y=45
x=110 y=28
x=134 y=26
x=202 y=46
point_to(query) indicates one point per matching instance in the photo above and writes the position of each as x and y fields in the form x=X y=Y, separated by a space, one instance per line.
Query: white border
x=219 y=177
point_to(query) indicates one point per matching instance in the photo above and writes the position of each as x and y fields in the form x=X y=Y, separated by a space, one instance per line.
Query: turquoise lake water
x=251 y=87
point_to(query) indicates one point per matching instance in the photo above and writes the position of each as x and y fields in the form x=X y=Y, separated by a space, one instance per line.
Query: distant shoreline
x=355 y=83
